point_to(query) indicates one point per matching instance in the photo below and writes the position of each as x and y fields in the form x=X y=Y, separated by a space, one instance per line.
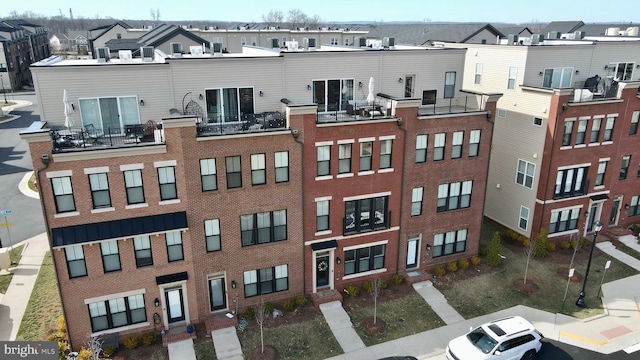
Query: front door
x=592 y=217
x=412 y=253
x=175 y=306
x=218 y=299
x=322 y=269
x=615 y=209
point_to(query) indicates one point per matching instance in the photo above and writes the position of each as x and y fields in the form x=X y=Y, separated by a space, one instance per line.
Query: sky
x=514 y=11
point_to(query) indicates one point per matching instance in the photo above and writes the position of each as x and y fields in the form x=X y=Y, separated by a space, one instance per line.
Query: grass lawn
x=14 y=255
x=44 y=306
x=205 y=350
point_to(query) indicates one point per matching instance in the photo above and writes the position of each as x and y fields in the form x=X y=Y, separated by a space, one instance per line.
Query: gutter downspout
x=486 y=182
x=404 y=166
x=296 y=135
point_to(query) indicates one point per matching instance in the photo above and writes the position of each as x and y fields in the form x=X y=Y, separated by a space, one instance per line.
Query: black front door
x=322 y=269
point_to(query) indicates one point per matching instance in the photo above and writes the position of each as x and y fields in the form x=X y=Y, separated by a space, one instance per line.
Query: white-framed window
x=523 y=222
x=595 y=130
x=421 y=148
x=63 y=194
x=234 y=171
x=449 y=84
x=174 y=246
x=451 y=242
x=110 y=256
x=281 y=159
x=208 y=174
x=624 y=167
x=602 y=168
x=502 y=113
x=322 y=215
x=100 y=190
x=568 y=130
x=621 y=71
x=570 y=182
x=334 y=40
x=344 y=158
x=633 y=129
x=385 y=153
x=478 y=74
x=364 y=259
x=513 y=73
x=524 y=173
x=582 y=129
x=557 y=77
x=416 y=201
x=167 y=180
x=608 y=128
x=474 y=143
x=133 y=185
x=258 y=169
x=212 y=235
x=76 y=264
x=266 y=281
x=109 y=115
x=564 y=220
x=118 y=312
x=142 y=248
x=324 y=160
x=366 y=151
x=438 y=147
x=454 y=196
x=456 y=144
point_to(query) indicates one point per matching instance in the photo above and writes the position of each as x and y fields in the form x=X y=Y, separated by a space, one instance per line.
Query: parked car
x=505 y=339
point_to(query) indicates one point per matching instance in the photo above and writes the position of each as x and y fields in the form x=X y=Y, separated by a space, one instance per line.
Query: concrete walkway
x=630 y=241
x=15 y=300
x=182 y=350
x=610 y=249
x=341 y=326
x=437 y=302
x=226 y=344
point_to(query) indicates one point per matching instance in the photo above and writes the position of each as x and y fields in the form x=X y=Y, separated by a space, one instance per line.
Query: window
x=408 y=85
x=333 y=40
x=258 y=169
x=634 y=123
x=511 y=82
x=110 y=256
x=595 y=130
x=167 y=180
x=322 y=215
x=416 y=201
x=634 y=207
x=109 y=115
x=234 y=172
x=564 y=220
x=99 y=190
x=582 y=129
x=263 y=227
x=133 y=183
x=456 y=144
x=557 y=78
x=365 y=215
x=344 y=158
x=454 y=196
x=449 y=84
x=364 y=259
x=602 y=168
x=266 y=281
x=63 y=193
x=429 y=97
x=620 y=71
x=537 y=121
x=324 y=160
x=117 y=312
x=502 y=113
x=142 y=246
x=452 y=242
x=524 y=218
x=226 y=105
x=212 y=235
x=75 y=261
x=174 y=246
x=525 y=172
x=568 y=130
x=608 y=128
x=421 y=148
x=478 y=75
x=332 y=94
x=438 y=150
x=570 y=182
x=624 y=168
x=474 y=143
x=365 y=155
x=282 y=166
x=385 y=153
x=208 y=174
x=243 y=41
x=254 y=41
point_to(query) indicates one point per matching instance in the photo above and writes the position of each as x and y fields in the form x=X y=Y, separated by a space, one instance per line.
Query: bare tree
x=377 y=289
x=273 y=17
x=529 y=249
x=314 y=21
x=296 y=19
x=155 y=16
x=260 y=319
x=95 y=346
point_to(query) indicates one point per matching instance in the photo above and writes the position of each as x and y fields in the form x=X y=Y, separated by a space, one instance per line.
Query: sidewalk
x=6 y=110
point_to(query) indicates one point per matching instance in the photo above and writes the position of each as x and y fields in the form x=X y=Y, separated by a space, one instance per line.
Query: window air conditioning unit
x=125 y=55
x=103 y=54
x=176 y=49
x=146 y=53
x=195 y=50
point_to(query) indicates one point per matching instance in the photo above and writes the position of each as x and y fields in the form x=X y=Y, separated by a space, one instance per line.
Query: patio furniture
x=94 y=134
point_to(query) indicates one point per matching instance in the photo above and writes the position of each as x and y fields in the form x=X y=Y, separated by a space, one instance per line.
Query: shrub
x=452 y=266
x=250 y=313
x=368 y=286
x=384 y=284
x=493 y=256
x=353 y=290
x=108 y=351
x=132 y=342
x=62 y=326
x=564 y=245
x=551 y=247
x=475 y=260
x=542 y=241
x=301 y=300
x=149 y=338
x=268 y=308
x=84 y=354
x=484 y=251
x=439 y=270
x=398 y=279
x=463 y=264
x=512 y=235
x=57 y=336
x=288 y=305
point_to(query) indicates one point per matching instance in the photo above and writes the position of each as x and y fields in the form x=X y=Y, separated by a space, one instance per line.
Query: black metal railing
x=356 y=110
x=266 y=121
x=90 y=137
x=460 y=104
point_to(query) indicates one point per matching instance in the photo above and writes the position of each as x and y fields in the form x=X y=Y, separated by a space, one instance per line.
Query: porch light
x=156 y=302
x=400 y=80
x=540 y=73
x=233 y=284
x=360 y=84
x=577 y=72
x=261 y=93
x=308 y=87
x=428 y=247
x=200 y=97
x=141 y=102
x=338 y=260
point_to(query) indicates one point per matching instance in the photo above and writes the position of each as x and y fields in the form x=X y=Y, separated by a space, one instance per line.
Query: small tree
x=377 y=289
x=540 y=248
x=493 y=256
x=260 y=318
x=529 y=250
x=95 y=346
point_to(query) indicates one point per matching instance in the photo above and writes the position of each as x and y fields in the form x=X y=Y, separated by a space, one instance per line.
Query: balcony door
x=110 y=114
x=229 y=104
x=332 y=95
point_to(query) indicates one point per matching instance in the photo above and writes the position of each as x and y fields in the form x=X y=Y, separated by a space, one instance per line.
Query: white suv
x=505 y=339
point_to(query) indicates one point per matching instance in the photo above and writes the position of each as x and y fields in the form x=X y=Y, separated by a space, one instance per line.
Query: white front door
x=412 y=253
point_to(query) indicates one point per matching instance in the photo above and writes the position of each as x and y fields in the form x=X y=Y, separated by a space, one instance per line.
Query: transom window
x=133 y=184
x=208 y=174
x=364 y=259
x=564 y=220
x=570 y=182
x=117 y=312
x=258 y=169
x=264 y=227
x=365 y=215
x=266 y=281
x=212 y=235
x=63 y=193
x=167 y=180
x=525 y=173
x=451 y=242
x=100 y=190
x=454 y=196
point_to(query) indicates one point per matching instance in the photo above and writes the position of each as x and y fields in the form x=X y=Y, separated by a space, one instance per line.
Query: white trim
x=60 y=173
x=324 y=143
x=579 y=146
x=553 y=201
x=593 y=144
x=325 y=177
x=573 y=166
x=369 y=139
x=366 y=273
x=387 y=170
x=345 y=175
x=323 y=198
x=613 y=115
x=366 y=196
x=345 y=141
x=570 y=119
x=169 y=202
x=368 y=172
x=369 y=244
x=598 y=117
x=164 y=163
x=127 y=167
x=96 y=170
x=604 y=159
x=66 y=214
x=121 y=328
x=114 y=296
x=103 y=210
x=606 y=142
x=588 y=117
x=136 y=206
x=574 y=231
x=386 y=137
x=569 y=147
x=322 y=233
x=348 y=237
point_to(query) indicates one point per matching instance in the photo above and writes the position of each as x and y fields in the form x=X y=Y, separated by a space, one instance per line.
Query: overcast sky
x=514 y=11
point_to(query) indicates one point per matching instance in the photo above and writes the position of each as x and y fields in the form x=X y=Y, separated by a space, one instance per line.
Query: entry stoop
x=412 y=277
x=220 y=321
x=177 y=334
x=325 y=296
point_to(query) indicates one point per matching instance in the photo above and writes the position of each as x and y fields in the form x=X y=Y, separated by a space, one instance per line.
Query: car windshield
x=482 y=340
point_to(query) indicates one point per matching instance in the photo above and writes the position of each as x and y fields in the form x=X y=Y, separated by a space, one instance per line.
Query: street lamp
x=3 y=92
x=597 y=226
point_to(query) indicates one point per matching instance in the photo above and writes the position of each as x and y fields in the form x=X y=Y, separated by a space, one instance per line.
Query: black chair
x=94 y=134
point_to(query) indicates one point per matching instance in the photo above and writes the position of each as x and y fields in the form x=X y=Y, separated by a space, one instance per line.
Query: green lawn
x=14 y=255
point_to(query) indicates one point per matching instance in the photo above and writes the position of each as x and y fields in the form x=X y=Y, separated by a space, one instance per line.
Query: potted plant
x=189 y=328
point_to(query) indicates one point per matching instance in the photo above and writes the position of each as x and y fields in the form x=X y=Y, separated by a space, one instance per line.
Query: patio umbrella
x=370 y=97
x=68 y=110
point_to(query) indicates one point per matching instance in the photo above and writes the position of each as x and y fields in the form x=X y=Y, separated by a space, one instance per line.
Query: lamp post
x=597 y=226
x=3 y=92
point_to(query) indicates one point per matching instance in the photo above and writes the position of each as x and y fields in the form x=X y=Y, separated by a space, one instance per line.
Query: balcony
x=92 y=138
x=248 y=123
x=460 y=104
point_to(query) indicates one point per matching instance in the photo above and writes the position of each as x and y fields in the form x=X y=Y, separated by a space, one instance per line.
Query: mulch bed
x=269 y=353
x=154 y=351
x=365 y=299
x=373 y=328
x=529 y=288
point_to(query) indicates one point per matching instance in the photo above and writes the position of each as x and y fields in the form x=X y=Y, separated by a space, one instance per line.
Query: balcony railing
x=266 y=121
x=452 y=105
x=91 y=138
x=585 y=95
